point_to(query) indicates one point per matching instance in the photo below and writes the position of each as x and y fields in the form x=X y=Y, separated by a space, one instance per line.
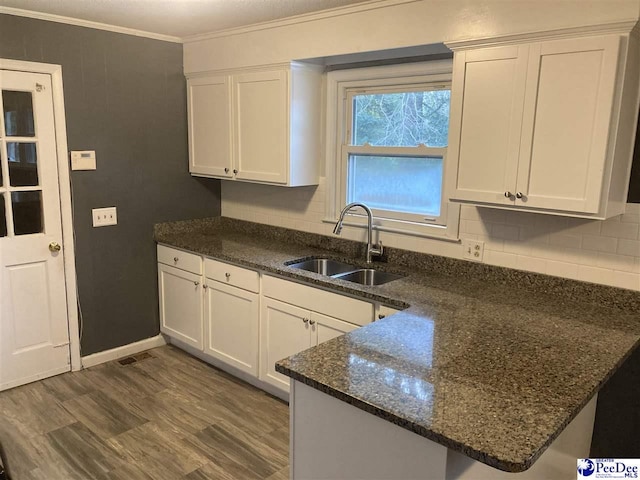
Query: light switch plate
x=473 y=250
x=103 y=217
x=83 y=160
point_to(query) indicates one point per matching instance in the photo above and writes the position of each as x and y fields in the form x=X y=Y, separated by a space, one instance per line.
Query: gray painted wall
x=125 y=99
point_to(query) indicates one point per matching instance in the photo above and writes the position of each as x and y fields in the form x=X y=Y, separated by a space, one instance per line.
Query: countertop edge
x=445 y=441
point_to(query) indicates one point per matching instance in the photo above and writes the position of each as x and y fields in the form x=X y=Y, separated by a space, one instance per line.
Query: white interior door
x=34 y=334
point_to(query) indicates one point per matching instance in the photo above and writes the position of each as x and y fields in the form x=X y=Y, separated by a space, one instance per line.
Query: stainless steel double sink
x=345 y=271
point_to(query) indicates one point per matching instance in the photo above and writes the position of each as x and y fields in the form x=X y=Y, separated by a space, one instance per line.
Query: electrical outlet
x=104 y=216
x=473 y=250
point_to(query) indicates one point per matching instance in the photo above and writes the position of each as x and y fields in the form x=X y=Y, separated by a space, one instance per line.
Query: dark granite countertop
x=488 y=361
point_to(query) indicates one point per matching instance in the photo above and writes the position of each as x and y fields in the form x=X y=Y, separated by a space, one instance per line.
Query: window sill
x=422 y=231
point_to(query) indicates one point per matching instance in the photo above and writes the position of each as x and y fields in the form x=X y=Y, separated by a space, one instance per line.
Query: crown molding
x=87 y=23
x=622 y=27
x=298 y=19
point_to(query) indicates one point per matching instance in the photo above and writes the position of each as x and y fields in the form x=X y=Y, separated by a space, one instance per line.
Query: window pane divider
x=26 y=188
x=417 y=151
x=12 y=139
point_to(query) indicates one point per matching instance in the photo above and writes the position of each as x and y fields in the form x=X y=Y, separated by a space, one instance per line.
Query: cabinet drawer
x=232 y=275
x=335 y=305
x=180 y=259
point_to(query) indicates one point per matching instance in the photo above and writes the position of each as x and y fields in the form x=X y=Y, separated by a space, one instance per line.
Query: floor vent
x=134 y=358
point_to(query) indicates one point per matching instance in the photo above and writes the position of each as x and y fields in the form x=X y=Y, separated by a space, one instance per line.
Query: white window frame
x=340 y=85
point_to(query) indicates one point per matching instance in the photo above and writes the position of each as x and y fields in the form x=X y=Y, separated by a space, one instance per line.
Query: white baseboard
x=123 y=351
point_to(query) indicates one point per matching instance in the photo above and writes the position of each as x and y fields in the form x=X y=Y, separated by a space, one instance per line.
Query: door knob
x=54 y=247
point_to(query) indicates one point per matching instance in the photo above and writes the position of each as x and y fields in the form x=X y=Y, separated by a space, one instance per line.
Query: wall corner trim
x=78 y=22
x=123 y=351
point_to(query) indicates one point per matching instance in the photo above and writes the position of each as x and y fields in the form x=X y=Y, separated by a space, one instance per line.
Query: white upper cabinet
x=488 y=121
x=545 y=126
x=209 y=113
x=257 y=125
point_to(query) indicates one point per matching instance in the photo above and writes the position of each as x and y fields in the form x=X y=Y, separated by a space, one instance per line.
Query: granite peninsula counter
x=487 y=361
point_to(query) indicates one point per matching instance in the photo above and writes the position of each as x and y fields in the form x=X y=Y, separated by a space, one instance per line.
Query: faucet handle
x=377 y=249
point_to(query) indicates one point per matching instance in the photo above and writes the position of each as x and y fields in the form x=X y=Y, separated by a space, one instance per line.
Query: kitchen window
x=387 y=143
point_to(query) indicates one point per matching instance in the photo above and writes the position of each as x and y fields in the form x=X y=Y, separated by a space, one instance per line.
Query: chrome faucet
x=371 y=248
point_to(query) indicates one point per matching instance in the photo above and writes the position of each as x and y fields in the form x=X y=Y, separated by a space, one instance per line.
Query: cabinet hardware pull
x=381 y=316
x=175 y=259
x=312 y=322
x=235 y=171
x=508 y=194
x=305 y=320
x=205 y=286
x=519 y=195
x=226 y=169
x=228 y=275
x=196 y=283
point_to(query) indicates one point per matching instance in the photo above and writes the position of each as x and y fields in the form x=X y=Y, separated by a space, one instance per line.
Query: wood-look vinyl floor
x=166 y=416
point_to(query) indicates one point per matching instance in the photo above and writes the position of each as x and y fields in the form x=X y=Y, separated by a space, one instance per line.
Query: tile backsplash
x=605 y=252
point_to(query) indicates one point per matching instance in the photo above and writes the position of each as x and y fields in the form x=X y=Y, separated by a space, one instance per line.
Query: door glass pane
x=18 y=113
x=402 y=119
x=23 y=165
x=397 y=184
x=3 y=218
x=27 y=212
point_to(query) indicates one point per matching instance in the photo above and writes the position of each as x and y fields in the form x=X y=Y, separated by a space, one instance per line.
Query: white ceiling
x=175 y=18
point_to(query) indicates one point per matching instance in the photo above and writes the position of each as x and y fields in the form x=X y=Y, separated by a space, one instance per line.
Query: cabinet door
x=209 y=113
x=568 y=108
x=180 y=305
x=284 y=331
x=486 y=119
x=325 y=328
x=261 y=128
x=382 y=311
x=231 y=326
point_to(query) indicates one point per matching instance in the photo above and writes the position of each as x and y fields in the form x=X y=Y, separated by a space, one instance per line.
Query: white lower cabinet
x=180 y=293
x=232 y=313
x=231 y=316
x=382 y=311
x=284 y=331
x=231 y=326
x=327 y=328
x=180 y=305
x=287 y=328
